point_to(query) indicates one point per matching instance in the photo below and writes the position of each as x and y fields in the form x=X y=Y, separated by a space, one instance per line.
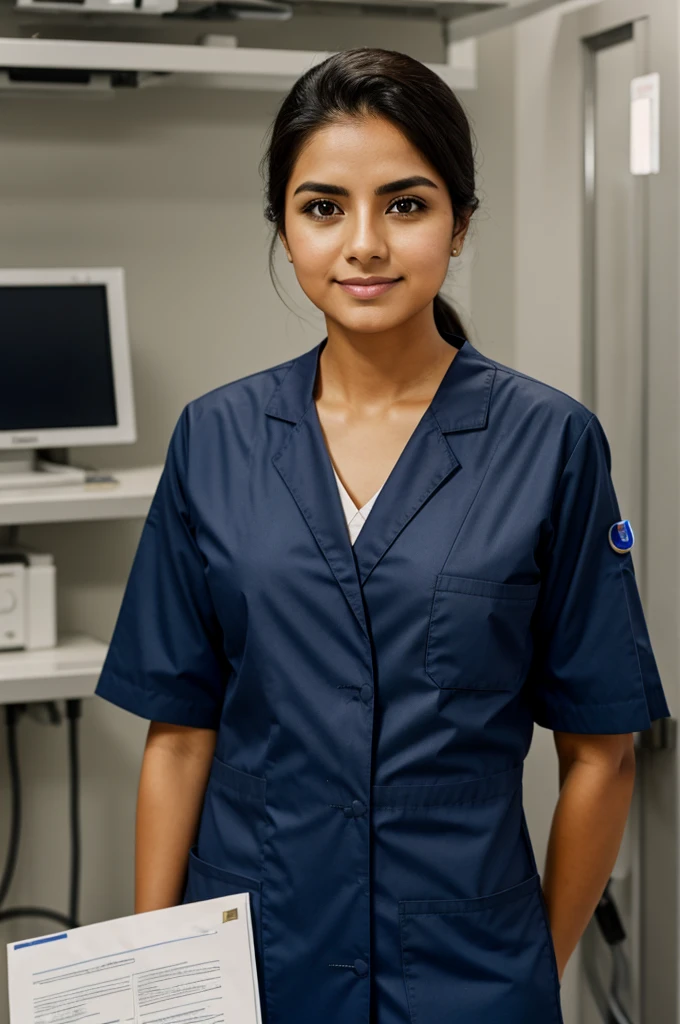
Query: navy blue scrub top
x=374 y=705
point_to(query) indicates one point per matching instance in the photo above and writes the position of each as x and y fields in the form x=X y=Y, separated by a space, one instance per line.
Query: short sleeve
x=166 y=658
x=593 y=669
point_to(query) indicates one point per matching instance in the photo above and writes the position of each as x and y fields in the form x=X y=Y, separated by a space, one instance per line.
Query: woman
x=339 y=719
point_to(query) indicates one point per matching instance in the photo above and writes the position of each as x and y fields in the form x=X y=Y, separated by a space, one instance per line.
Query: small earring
x=454 y=252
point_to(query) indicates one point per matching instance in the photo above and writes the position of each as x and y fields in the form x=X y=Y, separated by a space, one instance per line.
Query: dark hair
x=389 y=84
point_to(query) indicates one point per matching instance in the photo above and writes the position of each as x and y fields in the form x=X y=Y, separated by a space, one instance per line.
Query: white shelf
x=67 y=671
x=225 y=67
x=129 y=498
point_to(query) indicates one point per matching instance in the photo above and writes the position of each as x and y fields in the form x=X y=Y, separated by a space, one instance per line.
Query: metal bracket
x=473 y=25
x=461 y=57
x=661 y=736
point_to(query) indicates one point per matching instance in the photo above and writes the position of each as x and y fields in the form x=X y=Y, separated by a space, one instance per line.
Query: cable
x=592 y=977
x=611 y=928
x=73 y=712
x=11 y=716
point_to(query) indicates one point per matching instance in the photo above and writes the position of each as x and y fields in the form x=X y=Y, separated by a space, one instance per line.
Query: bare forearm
x=172 y=784
x=585 y=838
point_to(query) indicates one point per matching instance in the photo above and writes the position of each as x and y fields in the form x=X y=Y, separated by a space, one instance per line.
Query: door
x=615 y=336
x=618 y=224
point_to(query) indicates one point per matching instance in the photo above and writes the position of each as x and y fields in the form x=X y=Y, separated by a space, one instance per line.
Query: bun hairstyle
x=388 y=84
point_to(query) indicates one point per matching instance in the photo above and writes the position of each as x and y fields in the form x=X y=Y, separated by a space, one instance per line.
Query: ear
x=284 y=243
x=460 y=231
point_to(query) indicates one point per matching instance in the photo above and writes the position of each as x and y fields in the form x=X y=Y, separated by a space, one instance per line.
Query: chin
x=372 y=328
x=367 y=321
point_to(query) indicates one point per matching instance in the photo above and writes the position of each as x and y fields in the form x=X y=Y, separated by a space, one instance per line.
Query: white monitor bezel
x=113 y=278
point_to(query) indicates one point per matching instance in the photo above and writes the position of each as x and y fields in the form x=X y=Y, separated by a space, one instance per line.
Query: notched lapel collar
x=461 y=403
x=305 y=466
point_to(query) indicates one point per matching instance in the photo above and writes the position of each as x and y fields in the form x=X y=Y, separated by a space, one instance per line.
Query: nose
x=365 y=236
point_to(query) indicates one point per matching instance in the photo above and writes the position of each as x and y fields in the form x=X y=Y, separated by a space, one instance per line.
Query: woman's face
x=363 y=202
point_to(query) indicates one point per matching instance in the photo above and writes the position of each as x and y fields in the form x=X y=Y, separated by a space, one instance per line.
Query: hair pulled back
x=388 y=84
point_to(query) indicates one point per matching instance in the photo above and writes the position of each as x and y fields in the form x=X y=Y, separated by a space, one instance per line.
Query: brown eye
x=325 y=205
x=407 y=201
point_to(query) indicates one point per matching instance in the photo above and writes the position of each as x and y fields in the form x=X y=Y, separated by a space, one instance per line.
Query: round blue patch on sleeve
x=621 y=537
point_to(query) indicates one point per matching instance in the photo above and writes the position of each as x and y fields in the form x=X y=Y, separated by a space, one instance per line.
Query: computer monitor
x=65 y=375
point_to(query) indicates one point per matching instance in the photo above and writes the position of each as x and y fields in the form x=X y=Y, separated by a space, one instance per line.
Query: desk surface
x=69 y=670
x=129 y=498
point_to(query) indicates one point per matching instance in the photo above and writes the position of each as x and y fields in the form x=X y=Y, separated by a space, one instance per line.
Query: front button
x=358 y=808
x=361 y=967
x=366 y=693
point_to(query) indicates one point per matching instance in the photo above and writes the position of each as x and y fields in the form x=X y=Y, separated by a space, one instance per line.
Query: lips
x=368 y=288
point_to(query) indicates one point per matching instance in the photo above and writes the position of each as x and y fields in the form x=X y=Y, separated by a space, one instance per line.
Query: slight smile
x=368 y=287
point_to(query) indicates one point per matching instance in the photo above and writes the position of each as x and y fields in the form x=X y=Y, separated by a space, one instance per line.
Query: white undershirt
x=355 y=517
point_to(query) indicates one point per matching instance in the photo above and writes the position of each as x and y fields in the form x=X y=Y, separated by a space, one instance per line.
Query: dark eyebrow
x=381 y=190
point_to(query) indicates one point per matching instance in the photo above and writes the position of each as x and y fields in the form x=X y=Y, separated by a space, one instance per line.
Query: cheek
x=313 y=251
x=423 y=251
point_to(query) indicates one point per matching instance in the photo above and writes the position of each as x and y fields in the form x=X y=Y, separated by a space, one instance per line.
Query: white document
x=183 y=965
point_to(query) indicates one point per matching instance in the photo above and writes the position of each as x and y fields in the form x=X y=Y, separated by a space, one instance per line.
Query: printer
x=28 y=599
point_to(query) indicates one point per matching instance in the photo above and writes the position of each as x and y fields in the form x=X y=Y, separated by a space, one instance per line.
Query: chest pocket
x=479 y=633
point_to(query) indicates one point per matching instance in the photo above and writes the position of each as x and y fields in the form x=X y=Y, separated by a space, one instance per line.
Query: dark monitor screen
x=56 y=370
